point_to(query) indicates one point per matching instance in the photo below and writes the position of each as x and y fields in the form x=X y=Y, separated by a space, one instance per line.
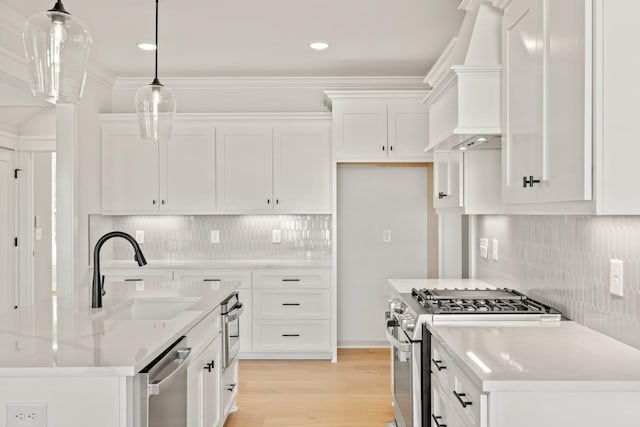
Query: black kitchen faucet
x=97 y=289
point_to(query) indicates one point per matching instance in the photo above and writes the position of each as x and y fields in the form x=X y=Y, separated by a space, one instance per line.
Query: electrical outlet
x=276 y=236
x=140 y=236
x=386 y=236
x=215 y=236
x=616 y=276
x=494 y=246
x=26 y=414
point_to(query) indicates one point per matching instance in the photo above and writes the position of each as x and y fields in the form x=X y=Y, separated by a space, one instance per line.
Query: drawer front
x=229 y=388
x=440 y=406
x=302 y=335
x=136 y=275
x=204 y=332
x=467 y=398
x=291 y=279
x=441 y=364
x=291 y=304
x=207 y=276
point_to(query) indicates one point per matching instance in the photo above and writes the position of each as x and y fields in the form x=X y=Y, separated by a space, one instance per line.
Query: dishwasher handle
x=182 y=357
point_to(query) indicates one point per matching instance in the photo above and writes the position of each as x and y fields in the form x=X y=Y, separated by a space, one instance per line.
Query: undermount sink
x=161 y=308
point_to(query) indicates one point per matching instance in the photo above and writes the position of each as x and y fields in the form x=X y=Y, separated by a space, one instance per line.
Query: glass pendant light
x=57 y=48
x=155 y=105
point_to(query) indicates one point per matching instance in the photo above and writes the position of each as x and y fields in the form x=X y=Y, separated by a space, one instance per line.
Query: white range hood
x=464 y=105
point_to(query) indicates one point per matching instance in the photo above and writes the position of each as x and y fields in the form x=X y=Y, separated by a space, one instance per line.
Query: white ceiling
x=208 y=38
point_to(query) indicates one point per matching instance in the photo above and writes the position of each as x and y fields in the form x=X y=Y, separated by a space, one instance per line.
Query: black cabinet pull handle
x=209 y=366
x=163 y=202
x=291 y=303
x=460 y=396
x=268 y=201
x=383 y=148
x=231 y=387
x=290 y=335
x=154 y=202
x=133 y=280
x=438 y=364
x=277 y=201
x=436 y=420
x=211 y=280
x=391 y=148
x=529 y=181
x=290 y=280
x=442 y=195
x=525 y=182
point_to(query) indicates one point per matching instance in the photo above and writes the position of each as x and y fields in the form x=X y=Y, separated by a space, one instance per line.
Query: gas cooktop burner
x=479 y=301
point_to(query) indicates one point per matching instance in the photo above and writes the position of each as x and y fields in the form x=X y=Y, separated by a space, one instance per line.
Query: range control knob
x=408 y=323
x=396 y=306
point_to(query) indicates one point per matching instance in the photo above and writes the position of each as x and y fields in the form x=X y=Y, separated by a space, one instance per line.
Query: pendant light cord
x=155 y=80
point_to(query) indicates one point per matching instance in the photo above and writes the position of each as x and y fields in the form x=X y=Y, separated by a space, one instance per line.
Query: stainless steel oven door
x=405 y=361
x=231 y=311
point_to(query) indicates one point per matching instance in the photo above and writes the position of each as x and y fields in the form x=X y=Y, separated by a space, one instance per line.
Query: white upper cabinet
x=283 y=169
x=145 y=176
x=547 y=102
x=379 y=126
x=447 y=179
x=244 y=168
x=302 y=168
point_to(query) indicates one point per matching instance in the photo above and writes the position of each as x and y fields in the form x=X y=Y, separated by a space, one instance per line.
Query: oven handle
x=182 y=356
x=234 y=313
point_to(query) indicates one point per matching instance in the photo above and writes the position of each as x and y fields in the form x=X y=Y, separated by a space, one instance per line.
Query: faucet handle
x=102 y=285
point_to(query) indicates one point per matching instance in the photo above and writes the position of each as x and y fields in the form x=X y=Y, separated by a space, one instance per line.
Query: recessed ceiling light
x=147 y=46
x=319 y=45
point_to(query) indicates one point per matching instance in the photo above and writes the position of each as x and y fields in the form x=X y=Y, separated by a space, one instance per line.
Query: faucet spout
x=97 y=288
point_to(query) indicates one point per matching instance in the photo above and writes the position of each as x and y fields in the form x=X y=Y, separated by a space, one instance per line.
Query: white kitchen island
x=527 y=373
x=80 y=362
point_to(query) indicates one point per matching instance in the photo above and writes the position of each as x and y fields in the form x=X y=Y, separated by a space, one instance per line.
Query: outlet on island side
x=276 y=237
x=26 y=414
x=140 y=236
x=215 y=236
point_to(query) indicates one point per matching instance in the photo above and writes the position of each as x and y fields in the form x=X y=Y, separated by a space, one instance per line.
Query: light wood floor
x=355 y=392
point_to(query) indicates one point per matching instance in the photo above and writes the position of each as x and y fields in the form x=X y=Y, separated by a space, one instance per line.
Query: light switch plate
x=215 y=236
x=386 y=236
x=494 y=247
x=616 y=277
x=140 y=236
x=276 y=236
x=484 y=248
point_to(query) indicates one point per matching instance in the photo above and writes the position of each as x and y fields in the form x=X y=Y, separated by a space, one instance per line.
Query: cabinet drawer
x=467 y=398
x=291 y=303
x=441 y=364
x=136 y=274
x=440 y=406
x=244 y=277
x=303 y=279
x=229 y=388
x=303 y=335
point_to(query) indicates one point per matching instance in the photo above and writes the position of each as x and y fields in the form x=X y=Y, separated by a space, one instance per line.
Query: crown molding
x=8 y=138
x=441 y=68
x=324 y=83
x=320 y=118
x=37 y=143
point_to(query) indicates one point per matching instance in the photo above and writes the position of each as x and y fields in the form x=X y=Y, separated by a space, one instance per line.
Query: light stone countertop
x=532 y=355
x=80 y=341
x=249 y=264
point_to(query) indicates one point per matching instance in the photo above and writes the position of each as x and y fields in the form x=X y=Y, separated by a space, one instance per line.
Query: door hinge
x=15 y=173
x=15 y=242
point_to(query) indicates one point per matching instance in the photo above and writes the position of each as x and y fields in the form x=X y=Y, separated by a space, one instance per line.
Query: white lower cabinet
x=204 y=387
x=229 y=389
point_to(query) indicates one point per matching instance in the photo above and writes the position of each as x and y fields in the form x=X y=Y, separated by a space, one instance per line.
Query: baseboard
x=363 y=344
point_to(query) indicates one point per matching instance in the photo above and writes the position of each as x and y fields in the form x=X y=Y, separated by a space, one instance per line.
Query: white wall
x=372 y=199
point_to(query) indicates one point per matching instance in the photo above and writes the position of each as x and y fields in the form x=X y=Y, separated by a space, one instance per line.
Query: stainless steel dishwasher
x=160 y=389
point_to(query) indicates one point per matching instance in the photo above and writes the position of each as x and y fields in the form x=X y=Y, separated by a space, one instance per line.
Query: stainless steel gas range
x=407 y=331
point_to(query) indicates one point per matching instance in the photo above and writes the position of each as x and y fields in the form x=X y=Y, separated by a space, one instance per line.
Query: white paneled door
x=7 y=248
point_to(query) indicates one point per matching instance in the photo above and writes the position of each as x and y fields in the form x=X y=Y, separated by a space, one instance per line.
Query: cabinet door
x=522 y=147
x=360 y=130
x=129 y=172
x=566 y=174
x=244 y=168
x=408 y=130
x=204 y=387
x=448 y=174
x=302 y=169
x=188 y=181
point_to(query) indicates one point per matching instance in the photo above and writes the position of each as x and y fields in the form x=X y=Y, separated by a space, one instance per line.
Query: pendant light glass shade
x=155 y=105
x=57 y=49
